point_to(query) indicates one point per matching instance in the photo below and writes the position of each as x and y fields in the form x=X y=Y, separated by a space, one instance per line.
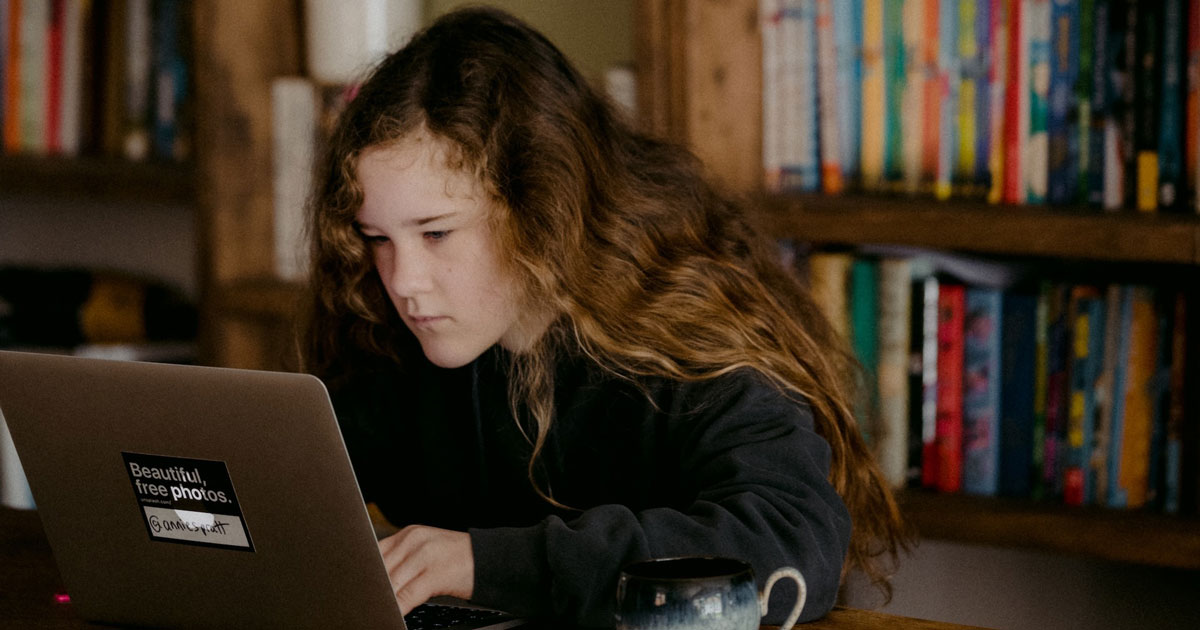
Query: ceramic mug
x=698 y=593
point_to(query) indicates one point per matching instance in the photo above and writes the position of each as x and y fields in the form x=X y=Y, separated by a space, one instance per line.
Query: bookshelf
x=97 y=179
x=699 y=84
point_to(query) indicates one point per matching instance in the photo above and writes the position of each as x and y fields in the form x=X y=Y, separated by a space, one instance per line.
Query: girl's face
x=426 y=226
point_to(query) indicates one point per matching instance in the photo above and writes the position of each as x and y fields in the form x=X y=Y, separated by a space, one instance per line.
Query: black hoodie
x=728 y=466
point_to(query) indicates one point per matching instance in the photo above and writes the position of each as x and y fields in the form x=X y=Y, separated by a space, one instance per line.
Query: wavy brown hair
x=650 y=268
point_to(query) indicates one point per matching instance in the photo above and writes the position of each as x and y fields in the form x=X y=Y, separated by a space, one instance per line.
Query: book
x=892 y=371
x=4 y=11
x=947 y=459
x=896 y=62
x=1159 y=389
x=1192 y=145
x=933 y=98
x=1173 y=482
x=1120 y=186
x=770 y=18
x=828 y=105
x=34 y=44
x=922 y=378
x=1171 y=185
x=829 y=281
x=138 y=96
x=1020 y=373
x=1016 y=104
x=1147 y=81
x=170 y=76
x=848 y=26
x=11 y=140
x=999 y=84
x=1036 y=15
x=1087 y=316
x=972 y=174
x=874 y=96
x=1100 y=137
x=801 y=162
x=1064 y=64
x=1109 y=405
x=1059 y=358
x=864 y=338
x=982 y=391
x=51 y=143
x=1130 y=432
x=913 y=106
x=69 y=115
x=949 y=77
x=1079 y=136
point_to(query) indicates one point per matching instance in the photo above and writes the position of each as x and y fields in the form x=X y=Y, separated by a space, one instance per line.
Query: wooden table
x=29 y=581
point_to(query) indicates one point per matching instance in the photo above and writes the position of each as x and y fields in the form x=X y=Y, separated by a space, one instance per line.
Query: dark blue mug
x=698 y=593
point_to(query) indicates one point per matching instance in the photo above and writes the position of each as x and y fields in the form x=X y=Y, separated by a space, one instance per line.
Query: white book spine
x=293 y=139
x=895 y=312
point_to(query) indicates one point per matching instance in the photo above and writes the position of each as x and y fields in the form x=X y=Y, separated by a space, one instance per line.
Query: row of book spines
x=986 y=391
x=104 y=77
x=948 y=124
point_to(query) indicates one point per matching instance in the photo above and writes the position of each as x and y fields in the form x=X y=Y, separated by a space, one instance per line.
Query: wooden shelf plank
x=97 y=179
x=1119 y=535
x=265 y=298
x=975 y=226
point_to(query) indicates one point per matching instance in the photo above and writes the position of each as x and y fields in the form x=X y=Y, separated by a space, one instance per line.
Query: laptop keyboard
x=449 y=617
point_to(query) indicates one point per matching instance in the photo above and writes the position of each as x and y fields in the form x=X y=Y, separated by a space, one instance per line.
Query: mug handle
x=801 y=596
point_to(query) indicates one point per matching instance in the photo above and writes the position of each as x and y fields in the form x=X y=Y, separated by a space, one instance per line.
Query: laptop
x=180 y=496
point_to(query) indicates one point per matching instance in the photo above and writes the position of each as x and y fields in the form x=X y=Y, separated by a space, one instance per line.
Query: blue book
x=981 y=391
x=170 y=79
x=848 y=34
x=1171 y=184
x=895 y=65
x=1063 y=106
x=1103 y=48
x=801 y=160
x=1019 y=340
x=1079 y=138
x=1108 y=493
x=981 y=66
x=948 y=61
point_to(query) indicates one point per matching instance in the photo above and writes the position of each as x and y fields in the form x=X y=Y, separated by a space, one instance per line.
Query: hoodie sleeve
x=757 y=478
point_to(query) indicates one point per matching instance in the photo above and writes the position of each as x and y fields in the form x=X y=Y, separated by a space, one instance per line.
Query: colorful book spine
x=874 y=122
x=1019 y=374
x=895 y=325
x=922 y=381
x=801 y=169
x=1120 y=183
x=829 y=278
x=1100 y=101
x=974 y=97
x=982 y=391
x=1016 y=104
x=998 y=82
x=948 y=459
x=1063 y=68
x=34 y=38
x=1129 y=460
x=896 y=62
x=848 y=31
x=934 y=94
x=1193 y=103
x=12 y=78
x=1058 y=385
x=1146 y=79
x=1087 y=321
x=1171 y=184
x=949 y=79
x=913 y=109
x=770 y=19
x=1079 y=137
x=828 y=107
x=1036 y=15
x=864 y=337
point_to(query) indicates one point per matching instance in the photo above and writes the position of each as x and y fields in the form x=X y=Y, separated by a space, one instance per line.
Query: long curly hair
x=651 y=269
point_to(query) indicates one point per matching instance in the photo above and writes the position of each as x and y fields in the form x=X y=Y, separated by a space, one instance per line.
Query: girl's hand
x=424 y=562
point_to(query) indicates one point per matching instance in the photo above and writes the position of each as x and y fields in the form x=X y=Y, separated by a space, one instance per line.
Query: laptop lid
x=192 y=497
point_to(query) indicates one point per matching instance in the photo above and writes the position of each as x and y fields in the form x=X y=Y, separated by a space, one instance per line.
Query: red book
x=12 y=77
x=54 y=64
x=1016 y=107
x=952 y=307
x=934 y=92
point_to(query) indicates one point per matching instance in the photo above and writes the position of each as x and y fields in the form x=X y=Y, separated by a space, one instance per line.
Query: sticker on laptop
x=187 y=501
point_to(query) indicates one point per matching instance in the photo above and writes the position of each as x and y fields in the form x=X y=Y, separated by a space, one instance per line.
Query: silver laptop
x=191 y=497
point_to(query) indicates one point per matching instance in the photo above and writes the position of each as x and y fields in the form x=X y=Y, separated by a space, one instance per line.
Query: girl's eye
x=375 y=239
x=436 y=235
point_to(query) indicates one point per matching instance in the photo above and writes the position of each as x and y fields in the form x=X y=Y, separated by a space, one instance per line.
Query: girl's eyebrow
x=360 y=226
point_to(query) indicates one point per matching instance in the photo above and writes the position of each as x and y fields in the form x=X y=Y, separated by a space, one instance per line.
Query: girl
x=555 y=348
